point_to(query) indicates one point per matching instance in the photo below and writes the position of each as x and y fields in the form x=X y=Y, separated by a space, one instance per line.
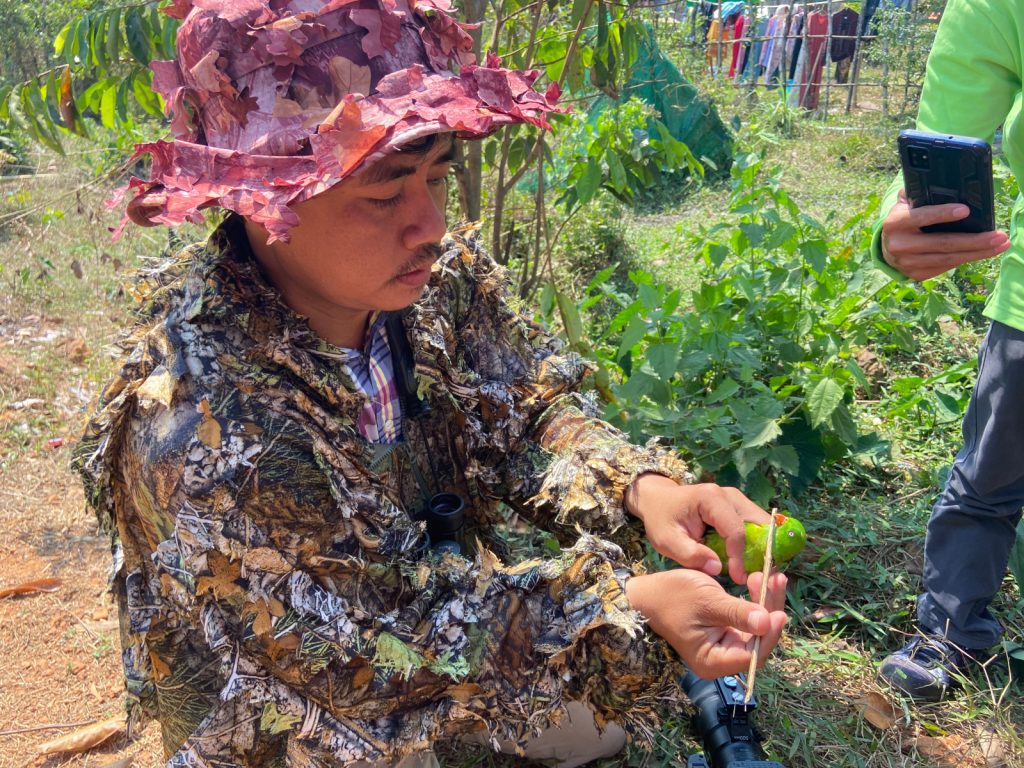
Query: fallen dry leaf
x=85 y=738
x=992 y=748
x=29 y=587
x=949 y=750
x=877 y=710
x=76 y=350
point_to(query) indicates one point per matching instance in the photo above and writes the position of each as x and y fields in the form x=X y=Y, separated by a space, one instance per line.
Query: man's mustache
x=425 y=256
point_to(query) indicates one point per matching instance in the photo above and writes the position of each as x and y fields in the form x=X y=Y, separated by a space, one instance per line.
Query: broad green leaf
x=809 y=448
x=663 y=358
x=717 y=253
x=637 y=386
x=5 y=102
x=761 y=434
x=635 y=331
x=51 y=95
x=746 y=459
x=570 y=318
x=41 y=122
x=97 y=41
x=547 y=299
x=142 y=86
x=934 y=307
x=81 y=45
x=113 y=40
x=108 y=105
x=784 y=458
x=616 y=172
x=580 y=8
x=842 y=423
x=822 y=400
x=726 y=389
x=122 y=100
x=137 y=36
x=759 y=488
x=815 y=253
x=516 y=153
x=66 y=33
x=589 y=182
x=169 y=31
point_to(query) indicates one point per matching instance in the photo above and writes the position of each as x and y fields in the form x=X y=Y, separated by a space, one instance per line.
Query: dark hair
x=422 y=145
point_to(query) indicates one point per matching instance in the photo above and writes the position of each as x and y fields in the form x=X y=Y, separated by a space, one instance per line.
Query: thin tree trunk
x=473 y=155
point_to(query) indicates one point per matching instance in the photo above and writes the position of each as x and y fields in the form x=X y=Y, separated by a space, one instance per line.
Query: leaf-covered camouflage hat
x=275 y=101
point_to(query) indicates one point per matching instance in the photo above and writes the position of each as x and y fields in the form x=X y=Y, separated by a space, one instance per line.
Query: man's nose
x=425 y=216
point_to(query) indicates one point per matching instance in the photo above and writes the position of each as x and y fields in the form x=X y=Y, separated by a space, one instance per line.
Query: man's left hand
x=676 y=516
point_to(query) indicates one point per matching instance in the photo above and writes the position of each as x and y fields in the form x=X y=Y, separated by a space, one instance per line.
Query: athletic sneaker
x=925 y=668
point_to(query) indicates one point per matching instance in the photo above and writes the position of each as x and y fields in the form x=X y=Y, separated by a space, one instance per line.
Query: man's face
x=366 y=244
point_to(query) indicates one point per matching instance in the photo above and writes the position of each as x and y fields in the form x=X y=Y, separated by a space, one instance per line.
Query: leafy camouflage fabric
x=278 y=603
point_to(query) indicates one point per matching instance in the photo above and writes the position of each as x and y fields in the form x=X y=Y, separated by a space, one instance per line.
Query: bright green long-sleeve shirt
x=972 y=86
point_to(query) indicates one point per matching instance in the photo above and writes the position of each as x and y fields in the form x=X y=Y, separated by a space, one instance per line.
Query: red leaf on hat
x=383 y=30
x=178 y=9
x=445 y=39
x=349 y=77
x=209 y=77
x=553 y=93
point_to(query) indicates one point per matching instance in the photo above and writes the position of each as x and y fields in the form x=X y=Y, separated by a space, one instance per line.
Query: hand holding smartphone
x=942 y=168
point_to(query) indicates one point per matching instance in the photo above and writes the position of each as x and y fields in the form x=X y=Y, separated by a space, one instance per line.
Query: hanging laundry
x=813 y=60
x=844 y=33
x=797 y=31
x=719 y=37
x=773 y=61
x=738 y=48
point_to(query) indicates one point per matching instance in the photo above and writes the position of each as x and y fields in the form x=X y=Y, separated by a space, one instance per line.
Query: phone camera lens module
x=919 y=158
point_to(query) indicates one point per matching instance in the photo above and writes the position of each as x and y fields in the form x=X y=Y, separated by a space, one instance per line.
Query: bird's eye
x=791 y=534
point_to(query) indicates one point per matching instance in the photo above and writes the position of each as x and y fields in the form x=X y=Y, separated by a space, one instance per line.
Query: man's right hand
x=921 y=255
x=710 y=629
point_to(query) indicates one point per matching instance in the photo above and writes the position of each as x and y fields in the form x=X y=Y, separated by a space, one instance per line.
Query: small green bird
x=790 y=538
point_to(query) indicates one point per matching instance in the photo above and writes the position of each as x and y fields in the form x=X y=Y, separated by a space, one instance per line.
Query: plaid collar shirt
x=372 y=372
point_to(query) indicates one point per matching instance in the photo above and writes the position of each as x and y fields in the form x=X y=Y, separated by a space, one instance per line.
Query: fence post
x=851 y=92
x=721 y=36
x=828 y=61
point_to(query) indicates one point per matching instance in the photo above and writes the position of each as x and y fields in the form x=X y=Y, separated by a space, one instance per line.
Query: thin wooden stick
x=47 y=727
x=761 y=598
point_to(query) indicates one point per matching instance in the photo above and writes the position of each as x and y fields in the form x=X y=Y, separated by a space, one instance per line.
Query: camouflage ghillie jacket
x=278 y=605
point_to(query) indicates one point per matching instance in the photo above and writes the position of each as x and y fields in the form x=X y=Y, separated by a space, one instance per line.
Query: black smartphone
x=939 y=168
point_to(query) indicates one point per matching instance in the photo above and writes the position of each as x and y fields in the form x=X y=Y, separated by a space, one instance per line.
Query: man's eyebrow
x=386 y=171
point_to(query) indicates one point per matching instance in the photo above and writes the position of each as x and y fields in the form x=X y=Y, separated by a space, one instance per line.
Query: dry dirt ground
x=59 y=663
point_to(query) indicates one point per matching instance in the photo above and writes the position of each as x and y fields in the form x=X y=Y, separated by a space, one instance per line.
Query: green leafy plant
x=100 y=75
x=755 y=377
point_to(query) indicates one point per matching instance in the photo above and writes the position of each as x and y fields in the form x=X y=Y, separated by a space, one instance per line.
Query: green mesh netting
x=689 y=117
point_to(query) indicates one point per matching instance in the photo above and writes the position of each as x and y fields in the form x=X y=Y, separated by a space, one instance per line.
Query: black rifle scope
x=724 y=724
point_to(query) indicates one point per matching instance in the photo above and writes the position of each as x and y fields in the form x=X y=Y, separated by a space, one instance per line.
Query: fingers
x=922 y=255
x=691 y=554
x=746 y=616
x=728 y=650
x=727 y=510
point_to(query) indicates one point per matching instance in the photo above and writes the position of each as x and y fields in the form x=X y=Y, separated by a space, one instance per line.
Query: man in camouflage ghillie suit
x=264 y=455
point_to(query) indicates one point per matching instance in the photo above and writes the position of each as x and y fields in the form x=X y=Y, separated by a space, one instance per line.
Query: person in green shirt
x=972 y=86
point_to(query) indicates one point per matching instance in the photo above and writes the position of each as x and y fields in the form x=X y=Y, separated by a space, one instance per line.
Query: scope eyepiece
x=724 y=724
x=445 y=517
